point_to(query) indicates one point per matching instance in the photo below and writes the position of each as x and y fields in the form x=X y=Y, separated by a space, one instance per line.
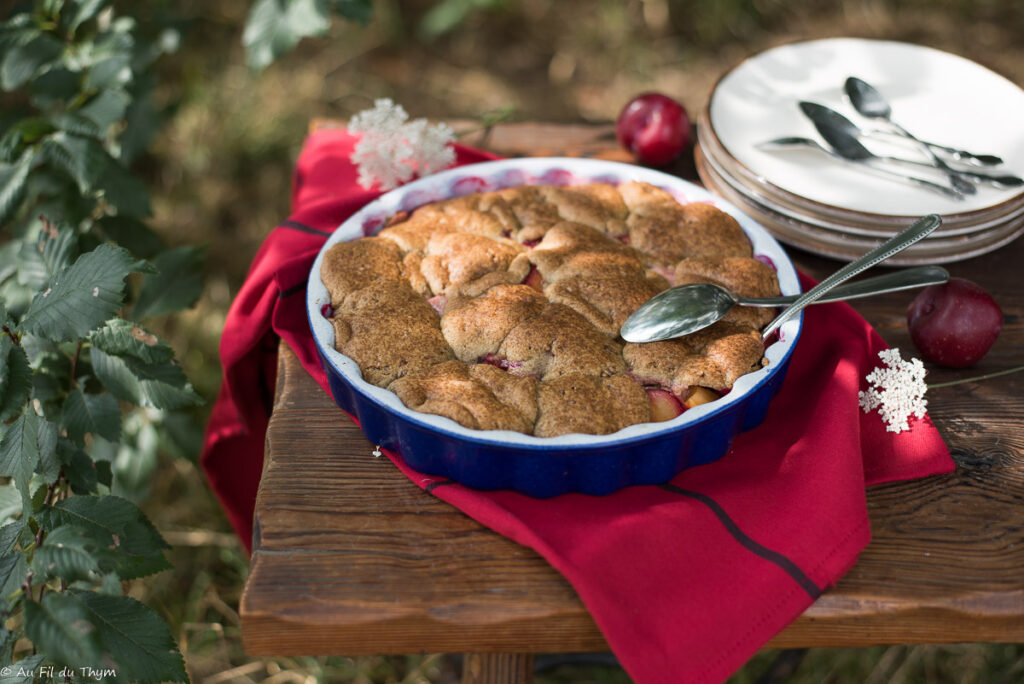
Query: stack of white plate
x=841 y=209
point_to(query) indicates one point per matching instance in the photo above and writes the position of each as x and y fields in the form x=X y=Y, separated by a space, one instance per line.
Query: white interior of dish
x=938 y=96
x=557 y=171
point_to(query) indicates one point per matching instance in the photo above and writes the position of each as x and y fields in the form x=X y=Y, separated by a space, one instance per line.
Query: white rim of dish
x=950 y=216
x=535 y=171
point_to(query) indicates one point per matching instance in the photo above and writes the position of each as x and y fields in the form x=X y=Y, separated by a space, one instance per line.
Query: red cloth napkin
x=686 y=580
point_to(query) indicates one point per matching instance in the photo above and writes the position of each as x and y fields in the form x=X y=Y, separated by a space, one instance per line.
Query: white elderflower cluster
x=392 y=149
x=897 y=390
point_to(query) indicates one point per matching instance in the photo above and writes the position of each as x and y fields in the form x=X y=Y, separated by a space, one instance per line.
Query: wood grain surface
x=351 y=558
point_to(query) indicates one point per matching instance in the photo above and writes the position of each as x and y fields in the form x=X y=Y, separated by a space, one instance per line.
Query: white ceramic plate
x=847 y=245
x=936 y=95
x=836 y=218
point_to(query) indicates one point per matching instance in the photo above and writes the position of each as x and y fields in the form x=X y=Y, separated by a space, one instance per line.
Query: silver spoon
x=839 y=132
x=814 y=110
x=689 y=308
x=906 y=237
x=870 y=103
x=860 y=156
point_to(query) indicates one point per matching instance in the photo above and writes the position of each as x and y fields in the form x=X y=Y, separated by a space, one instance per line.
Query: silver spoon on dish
x=688 y=308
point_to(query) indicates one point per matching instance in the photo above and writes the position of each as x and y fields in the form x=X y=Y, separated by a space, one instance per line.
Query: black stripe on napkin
x=439 y=483
x=302 y=227
x=783 y=562
x=294 y=289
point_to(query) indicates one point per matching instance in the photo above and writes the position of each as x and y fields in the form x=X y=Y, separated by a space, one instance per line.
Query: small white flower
x=393 y=149
x=897 y=390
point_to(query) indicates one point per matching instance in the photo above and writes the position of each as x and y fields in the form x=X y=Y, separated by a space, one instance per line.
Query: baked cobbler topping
x=501 y=310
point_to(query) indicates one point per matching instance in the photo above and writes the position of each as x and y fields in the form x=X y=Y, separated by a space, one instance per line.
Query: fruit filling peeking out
x=665 y=405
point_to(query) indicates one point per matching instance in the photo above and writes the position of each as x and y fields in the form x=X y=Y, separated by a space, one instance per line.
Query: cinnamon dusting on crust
x=503 y=355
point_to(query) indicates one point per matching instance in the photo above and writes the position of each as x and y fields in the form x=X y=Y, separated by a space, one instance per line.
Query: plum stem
x=976 y=378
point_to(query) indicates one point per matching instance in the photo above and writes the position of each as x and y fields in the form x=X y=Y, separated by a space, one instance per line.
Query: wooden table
x=351 y=558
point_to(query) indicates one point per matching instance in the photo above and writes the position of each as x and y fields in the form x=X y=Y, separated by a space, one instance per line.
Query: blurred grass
x=220 y=174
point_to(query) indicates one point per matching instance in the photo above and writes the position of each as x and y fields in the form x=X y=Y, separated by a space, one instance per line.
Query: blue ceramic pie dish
x=648 y=453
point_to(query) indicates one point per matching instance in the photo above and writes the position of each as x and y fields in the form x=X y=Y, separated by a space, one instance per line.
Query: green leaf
x=42 y=259
x=275 y=26
x=136 y=460
x=76 y=124
x=10 y=503
x=82 y=296
x=55 y=87
x=62 y=628
x=13 y=571
x=177 y=286
x=49 y=466
x=24 y=61
x=81 y=158
x=9 y=534
x=106 y=108
x=110 y=72
x=23 y=671
x=137 y=639
x=124 y=190
x=97 y=414
x=151 y=385
x=354 y=10
x=132 y=234
x=25 y=131
x=68 y=552
x=124 y=338
x=12 y=183
x=56 y=195
x=13 y=566
x=78 y=468
x=84 y=10
x=141 y=123
x=15 y=378
x=19 y=453
x=135 y=548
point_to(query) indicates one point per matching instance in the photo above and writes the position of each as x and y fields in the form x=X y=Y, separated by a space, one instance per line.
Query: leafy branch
x=84 y=383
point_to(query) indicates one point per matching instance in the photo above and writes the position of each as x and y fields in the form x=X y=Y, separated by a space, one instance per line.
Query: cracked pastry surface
x=501 y=310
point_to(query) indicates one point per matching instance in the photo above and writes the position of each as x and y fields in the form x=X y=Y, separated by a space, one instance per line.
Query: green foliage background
x=157 y=139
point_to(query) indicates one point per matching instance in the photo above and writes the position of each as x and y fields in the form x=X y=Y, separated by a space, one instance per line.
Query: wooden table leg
x=497 y=668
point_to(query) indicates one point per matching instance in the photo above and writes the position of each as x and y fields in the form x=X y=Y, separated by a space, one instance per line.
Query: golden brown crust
x=577 y=402
x=469 y=264
x=475 y=327
x=473 y=399
x=349 y=266
x=501 y=310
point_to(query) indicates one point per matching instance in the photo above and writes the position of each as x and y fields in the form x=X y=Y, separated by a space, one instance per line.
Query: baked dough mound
x=501 y=310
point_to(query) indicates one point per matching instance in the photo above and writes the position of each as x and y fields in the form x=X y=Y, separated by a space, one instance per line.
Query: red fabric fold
x=686 y=580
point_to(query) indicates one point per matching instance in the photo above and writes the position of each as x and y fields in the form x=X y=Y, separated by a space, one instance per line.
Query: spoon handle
x=957 y=154
x=914 y=180
x=904 y=279
x=916 y=231
x=1000 y=181
x=956 y=179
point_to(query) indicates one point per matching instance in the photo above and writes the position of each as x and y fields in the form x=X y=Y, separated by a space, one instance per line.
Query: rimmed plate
x=649 y=453
x=835 y=218
x=937 y=95
x=847 y=245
